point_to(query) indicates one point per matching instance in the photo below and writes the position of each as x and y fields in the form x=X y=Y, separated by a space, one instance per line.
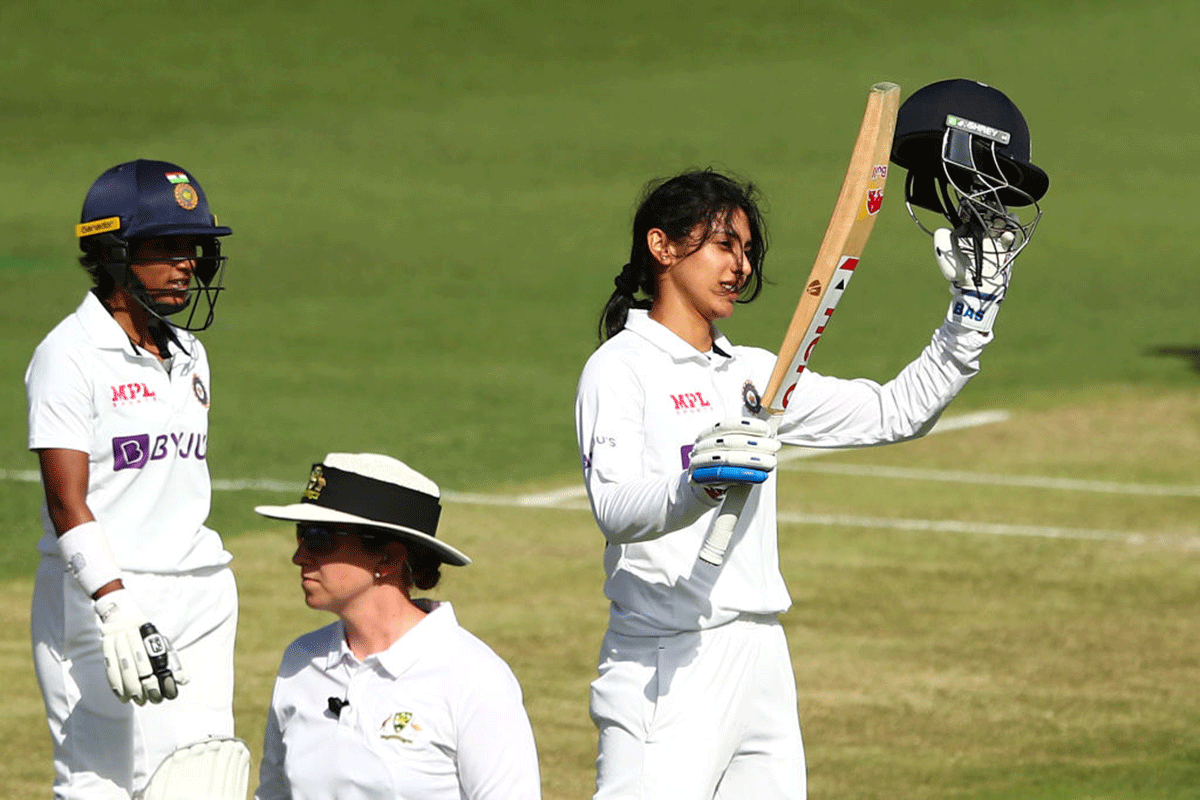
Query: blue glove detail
x=727 y=474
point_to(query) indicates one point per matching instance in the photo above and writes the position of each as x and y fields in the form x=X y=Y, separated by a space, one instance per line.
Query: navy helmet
x=967 y=150
x=147 y=199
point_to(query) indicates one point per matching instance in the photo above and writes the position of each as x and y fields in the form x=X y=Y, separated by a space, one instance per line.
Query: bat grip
x=717 y=541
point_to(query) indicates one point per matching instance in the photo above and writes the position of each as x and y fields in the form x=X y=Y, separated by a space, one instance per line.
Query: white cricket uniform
x=643 y=398
x=436 y=716
x=144 y=425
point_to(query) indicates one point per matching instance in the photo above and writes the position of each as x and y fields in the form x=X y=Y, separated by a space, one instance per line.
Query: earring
x=378 y=574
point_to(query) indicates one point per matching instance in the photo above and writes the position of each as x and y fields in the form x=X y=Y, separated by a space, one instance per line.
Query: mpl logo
x=135 y=452
x=689 y=401
x=131 y=393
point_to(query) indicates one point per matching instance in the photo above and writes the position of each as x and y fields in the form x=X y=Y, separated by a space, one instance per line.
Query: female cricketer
x=695 y=697
x=132 y=588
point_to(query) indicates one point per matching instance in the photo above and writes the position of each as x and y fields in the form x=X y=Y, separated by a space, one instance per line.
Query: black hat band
x=378 y=501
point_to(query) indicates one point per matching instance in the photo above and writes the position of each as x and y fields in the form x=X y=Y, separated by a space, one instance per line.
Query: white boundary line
x=988 y=479
x=990 y=529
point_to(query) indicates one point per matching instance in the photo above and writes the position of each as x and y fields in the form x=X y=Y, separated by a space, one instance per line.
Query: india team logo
x=186 y=196
x=751 y=398
x=201 y=391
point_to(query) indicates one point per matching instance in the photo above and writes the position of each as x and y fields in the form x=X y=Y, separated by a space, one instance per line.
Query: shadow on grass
x=1188 y=352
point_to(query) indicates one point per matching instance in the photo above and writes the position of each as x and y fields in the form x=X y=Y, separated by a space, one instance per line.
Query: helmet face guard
x=207 y=282
x=966 y=148
x=146 y=200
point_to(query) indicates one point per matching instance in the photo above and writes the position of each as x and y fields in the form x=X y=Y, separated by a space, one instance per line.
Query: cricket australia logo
x=399 y=726
x=316 y=482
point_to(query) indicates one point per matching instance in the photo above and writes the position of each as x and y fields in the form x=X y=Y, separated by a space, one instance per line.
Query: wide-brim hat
x=373 y=490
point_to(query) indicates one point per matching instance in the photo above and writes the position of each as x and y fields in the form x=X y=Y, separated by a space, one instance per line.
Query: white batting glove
x=140 y=662
x=740 y=450
x=977 y=293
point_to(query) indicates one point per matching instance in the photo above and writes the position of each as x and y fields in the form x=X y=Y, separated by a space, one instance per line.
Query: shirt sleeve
x=497 y=756
x=272 y=780
x=832 y=412
x=631 y=502
x=60 y=402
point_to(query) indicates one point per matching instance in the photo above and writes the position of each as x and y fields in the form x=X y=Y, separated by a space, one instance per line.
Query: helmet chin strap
x=124 y=277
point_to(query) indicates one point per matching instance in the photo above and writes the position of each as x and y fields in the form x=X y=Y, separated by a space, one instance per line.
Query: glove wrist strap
x=89 y=558
x=973 y=310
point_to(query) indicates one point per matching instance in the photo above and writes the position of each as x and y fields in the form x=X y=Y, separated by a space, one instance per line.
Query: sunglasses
x=320 y=540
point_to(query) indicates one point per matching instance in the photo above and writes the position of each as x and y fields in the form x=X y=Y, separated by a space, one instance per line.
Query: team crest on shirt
x=751 y=398
x=399 y=726
x=201 y=391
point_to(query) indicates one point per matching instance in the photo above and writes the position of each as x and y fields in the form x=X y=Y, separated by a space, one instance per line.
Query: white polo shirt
x=643 y=397
x=437 y=716
x=143 y=424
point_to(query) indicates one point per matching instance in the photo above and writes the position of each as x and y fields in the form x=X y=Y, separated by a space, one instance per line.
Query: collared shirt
x=437 y=716
x=644 y=396
x=144 y=425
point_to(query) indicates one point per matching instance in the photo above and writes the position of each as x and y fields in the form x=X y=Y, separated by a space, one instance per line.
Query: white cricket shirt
x=644 y=396
x=437 y=716
x=144 y=426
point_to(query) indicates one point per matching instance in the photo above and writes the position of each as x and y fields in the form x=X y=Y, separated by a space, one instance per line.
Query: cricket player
x=695 y=697
x=134 y=604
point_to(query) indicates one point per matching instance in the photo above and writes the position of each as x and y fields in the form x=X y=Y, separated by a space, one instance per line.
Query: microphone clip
x=336 y=704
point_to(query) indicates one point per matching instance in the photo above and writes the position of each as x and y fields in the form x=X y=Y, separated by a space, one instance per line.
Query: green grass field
x=429 y=205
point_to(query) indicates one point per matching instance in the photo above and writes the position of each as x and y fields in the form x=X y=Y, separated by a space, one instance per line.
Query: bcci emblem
x=316 y=482
x=186 y=196
x=200 y=391
x=393 y=725
x=751 y=398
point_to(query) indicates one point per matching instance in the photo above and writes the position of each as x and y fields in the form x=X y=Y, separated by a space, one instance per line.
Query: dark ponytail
x=677 y=206
x=616 y=310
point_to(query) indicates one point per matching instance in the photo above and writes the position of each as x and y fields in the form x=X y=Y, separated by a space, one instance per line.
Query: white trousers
x=104 y=748
x=705 y=715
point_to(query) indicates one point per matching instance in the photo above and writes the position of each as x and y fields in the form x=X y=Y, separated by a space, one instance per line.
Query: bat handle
x=717 y=541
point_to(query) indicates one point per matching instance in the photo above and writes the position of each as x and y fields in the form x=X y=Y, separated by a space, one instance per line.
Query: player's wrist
x=972 y=311
x=89 y=558
x=119 y=603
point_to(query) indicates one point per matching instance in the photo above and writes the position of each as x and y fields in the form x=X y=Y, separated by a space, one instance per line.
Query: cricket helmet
x=146 y=199
x=966 y=147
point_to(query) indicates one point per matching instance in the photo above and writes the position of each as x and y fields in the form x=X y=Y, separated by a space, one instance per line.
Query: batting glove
x=977 y=292
x=140 y=662
x=740 y=450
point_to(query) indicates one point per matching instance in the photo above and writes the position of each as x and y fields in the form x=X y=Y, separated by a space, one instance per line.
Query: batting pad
x=213 y=769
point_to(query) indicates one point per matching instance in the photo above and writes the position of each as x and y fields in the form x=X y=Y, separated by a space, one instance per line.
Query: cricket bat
x=845 y=238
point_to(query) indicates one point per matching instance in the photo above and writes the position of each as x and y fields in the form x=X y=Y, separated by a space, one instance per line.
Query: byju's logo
x=135 y=452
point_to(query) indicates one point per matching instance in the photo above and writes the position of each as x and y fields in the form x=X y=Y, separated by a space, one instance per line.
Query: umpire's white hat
x=374 y=490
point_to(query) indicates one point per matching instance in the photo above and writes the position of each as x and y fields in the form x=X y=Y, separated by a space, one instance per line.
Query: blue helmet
x=146 y=199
